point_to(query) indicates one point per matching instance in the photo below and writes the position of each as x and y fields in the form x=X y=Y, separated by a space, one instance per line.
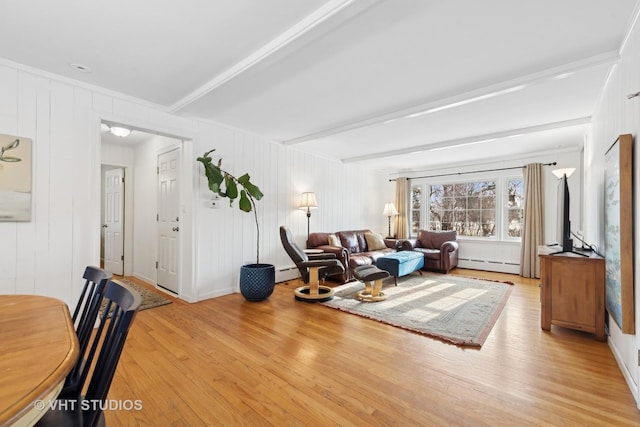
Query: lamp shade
x=389 y=210
x=565 y=171
x=308 y=200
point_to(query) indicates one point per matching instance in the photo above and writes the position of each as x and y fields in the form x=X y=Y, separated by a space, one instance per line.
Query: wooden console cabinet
x=572 y=292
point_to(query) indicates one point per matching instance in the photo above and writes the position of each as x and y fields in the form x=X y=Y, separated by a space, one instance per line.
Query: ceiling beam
x=278 y=45
x=470 y=140
x=498 y=89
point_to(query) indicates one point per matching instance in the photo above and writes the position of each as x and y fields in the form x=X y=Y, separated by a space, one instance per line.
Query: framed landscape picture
x=618 y=217
x=15 y=178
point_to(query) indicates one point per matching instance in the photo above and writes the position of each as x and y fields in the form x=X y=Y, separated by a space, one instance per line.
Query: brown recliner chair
x=313 y=268
x=440 y=249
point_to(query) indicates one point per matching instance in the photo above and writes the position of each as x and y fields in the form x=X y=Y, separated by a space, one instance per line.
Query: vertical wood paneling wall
x=616 y=115
x=48 y=255
x=348 y=198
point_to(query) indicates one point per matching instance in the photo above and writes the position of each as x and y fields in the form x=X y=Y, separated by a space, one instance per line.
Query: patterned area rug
x=150 y=299
x=456 y=309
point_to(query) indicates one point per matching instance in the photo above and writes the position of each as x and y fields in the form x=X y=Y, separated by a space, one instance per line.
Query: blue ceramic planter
x=257 y=281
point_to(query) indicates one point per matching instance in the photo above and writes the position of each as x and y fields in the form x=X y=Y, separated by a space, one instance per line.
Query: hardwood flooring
x=228 y=362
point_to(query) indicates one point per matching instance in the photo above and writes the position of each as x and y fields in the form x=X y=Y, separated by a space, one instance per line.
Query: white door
x=113 y=221
x=168 y=220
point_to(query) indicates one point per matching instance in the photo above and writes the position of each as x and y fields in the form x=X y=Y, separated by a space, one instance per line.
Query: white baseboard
x=215 y=294
x=625 y=372
x=497 y=266
x=144 y=279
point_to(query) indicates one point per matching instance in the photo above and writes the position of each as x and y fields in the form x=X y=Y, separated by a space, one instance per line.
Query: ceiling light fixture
x=81 y=68
x=120 y=131
x=466 y=101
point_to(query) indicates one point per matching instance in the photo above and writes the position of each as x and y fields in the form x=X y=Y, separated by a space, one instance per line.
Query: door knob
x=104 y=225
x=176 y=228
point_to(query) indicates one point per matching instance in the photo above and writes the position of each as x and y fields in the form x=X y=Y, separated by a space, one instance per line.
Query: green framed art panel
x=15 y=178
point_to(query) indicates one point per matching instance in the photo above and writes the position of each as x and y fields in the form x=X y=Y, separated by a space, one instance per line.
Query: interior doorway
x=169 y=220
x=136 y=156
x=113 y=220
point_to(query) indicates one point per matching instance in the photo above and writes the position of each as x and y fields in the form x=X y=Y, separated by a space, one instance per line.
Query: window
x=416 y=208
x=470 y=208
x=515 y=207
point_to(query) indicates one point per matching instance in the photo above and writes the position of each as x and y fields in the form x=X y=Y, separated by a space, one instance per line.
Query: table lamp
x=389 y=211
x=565 y=171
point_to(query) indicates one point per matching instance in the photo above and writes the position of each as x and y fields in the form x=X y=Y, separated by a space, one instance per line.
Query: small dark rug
x=150 y=299
x=456 y=309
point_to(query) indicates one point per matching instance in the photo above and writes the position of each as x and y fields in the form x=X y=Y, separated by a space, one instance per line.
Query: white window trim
x=500 y=180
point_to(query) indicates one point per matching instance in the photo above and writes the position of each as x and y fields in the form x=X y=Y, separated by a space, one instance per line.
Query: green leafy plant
x=226 y=185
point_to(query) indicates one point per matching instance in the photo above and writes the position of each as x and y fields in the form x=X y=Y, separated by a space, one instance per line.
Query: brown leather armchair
x=440 y=249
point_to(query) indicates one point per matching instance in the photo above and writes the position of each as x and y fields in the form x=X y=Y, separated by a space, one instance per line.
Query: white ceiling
x=338 y=78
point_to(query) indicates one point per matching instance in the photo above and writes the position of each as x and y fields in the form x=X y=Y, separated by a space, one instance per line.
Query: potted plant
x=256 y=280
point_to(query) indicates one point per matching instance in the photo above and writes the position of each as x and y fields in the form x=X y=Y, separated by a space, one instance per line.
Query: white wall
x=48 y=255
x=615 y=115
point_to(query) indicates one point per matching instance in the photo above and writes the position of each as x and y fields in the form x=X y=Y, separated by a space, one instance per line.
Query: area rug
x=150 y=299
x=455 y=309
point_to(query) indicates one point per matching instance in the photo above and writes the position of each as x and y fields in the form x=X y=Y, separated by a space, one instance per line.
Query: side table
x=393 y=243
x=572 y=292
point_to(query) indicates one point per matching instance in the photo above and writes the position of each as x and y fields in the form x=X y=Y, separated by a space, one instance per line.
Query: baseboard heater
x=487 y=261
x=287 y=273
x=489 y=265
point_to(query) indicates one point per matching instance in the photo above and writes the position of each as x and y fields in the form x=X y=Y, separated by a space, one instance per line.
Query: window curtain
x=533 y=224
x=402 y=204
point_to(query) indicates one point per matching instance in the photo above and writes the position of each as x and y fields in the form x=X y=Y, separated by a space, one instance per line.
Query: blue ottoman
x=401 y=263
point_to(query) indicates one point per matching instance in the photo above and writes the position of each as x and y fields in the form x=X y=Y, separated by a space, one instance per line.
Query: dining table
x=38 y=349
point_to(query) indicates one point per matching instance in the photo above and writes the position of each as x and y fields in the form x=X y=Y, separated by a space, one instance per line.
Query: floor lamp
x=308 y=202
x=389 y=211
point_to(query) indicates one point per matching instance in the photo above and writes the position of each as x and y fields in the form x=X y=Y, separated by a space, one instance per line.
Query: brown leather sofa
x=440 y=249
x=352 y=252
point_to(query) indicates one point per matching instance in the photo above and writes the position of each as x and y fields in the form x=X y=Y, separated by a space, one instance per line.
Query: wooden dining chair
x=84 y=318
x=101 y=358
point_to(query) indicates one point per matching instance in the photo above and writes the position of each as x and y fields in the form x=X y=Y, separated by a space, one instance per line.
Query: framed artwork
x=15 y=178
x=618 y=218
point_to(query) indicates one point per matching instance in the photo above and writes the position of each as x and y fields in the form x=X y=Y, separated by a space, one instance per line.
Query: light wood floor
x=229 y=362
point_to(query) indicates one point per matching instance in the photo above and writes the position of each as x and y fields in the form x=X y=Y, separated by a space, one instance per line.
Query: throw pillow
x=333 y=240
x=375 y=241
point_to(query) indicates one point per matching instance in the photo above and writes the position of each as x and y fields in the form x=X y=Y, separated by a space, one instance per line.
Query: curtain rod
x=463 y=173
